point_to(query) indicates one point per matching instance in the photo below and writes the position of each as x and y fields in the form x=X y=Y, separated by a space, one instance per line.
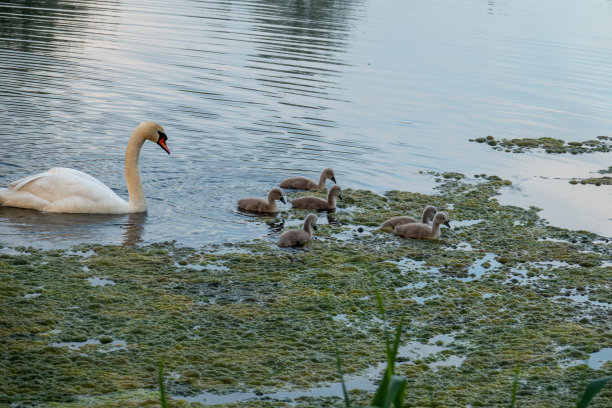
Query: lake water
x=250 y=92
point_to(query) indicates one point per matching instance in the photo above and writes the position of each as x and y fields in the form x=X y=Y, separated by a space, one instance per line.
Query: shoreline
x=502 y=288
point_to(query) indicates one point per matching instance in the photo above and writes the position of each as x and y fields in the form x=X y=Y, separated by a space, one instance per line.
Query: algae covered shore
x=502 y=289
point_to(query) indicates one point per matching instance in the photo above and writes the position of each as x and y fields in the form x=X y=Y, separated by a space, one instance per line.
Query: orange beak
x=162 y=143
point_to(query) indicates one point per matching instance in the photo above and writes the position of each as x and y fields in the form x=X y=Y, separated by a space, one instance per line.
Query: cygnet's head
x=329 y=173
x=153 y=132
x=430 y=211
x=277 y=194
x=312 y=220
x=335 y=191
x=441 y=218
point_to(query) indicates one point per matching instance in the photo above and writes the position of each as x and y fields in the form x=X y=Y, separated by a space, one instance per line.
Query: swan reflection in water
x=276 y=224
x=273 y=220
x=30 y=227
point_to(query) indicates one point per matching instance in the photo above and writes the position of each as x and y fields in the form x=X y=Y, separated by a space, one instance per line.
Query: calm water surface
x=251 y=92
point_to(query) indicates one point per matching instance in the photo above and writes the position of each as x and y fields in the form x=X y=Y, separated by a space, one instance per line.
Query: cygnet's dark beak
x=447 y=224
x=314 y=226
x=282 y=199
x=162 y=141
x=333 y=179
x=340 y=196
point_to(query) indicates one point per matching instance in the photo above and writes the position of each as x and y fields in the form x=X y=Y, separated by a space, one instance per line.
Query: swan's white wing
x=63 y=190
x=18 y=184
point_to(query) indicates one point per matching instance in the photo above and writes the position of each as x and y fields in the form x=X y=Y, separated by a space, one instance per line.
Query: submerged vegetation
x=549 y=144
x=556 y=146
x=598 y=181
x=86 y=326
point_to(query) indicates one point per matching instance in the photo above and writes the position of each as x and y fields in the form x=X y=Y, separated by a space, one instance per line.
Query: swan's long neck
x=435 y=230
x=138 y=202
x=307 y=227
x=425 y=217
x=331 y=199
x=322 y=180
x=272 y=202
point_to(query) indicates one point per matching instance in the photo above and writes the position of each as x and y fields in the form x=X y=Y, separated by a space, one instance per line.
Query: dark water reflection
x=51 y=230
x=250 y=92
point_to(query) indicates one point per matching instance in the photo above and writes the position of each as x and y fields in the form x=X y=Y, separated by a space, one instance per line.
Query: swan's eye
x=162 y=135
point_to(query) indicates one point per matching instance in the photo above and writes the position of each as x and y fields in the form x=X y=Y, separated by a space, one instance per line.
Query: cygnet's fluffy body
x=316 y=203
x=260 y=205
x=295 y=238
x=423 y=231
x=428 y=213
x=304 y=183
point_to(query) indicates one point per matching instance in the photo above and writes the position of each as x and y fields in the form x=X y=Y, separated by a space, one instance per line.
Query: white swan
x=63 y=190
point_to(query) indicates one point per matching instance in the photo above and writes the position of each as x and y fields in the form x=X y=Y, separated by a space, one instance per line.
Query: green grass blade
x=392 y=357
x=381 y=309
x=395 y=392
x=381 y=306
x=347 y=402
x=591 y=390
x=392 y=389
x=515 y=386
x=431 y=396
x=401 y=395
x=162 y=389
x=381 y=391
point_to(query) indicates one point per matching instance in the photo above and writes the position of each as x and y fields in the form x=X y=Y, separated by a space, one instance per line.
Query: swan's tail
x=3 y=192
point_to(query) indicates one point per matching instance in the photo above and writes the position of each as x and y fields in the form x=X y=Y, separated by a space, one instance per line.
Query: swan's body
x=65 y=190
x=316 y=203
x=429 y=212
x=304 y=183
x=423 y=231
x=295 y=238
x=256 y=204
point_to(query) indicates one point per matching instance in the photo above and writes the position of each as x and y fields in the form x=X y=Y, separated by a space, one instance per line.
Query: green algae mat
x=556 y=146
x=548 y=144
x=501 y=291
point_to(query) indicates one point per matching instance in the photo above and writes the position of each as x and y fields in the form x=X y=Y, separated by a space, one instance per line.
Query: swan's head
x=312 y=220
x=277 y=194
x=441 y=218
x=430 y=211
x=153 y=132
x=335 y=191
x=329 y=173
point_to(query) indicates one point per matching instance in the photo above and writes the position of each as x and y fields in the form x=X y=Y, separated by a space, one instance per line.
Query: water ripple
x=252 y=91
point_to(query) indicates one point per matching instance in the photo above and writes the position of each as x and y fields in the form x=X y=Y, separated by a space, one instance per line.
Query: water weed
x=162 y=387
x=503 y=287
x=591 y=390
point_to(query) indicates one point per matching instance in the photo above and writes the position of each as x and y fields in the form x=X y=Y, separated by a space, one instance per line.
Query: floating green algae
x=606 y=171
x=598 y=181
x=253 y=317
x=549 y=144
x=556 y=146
